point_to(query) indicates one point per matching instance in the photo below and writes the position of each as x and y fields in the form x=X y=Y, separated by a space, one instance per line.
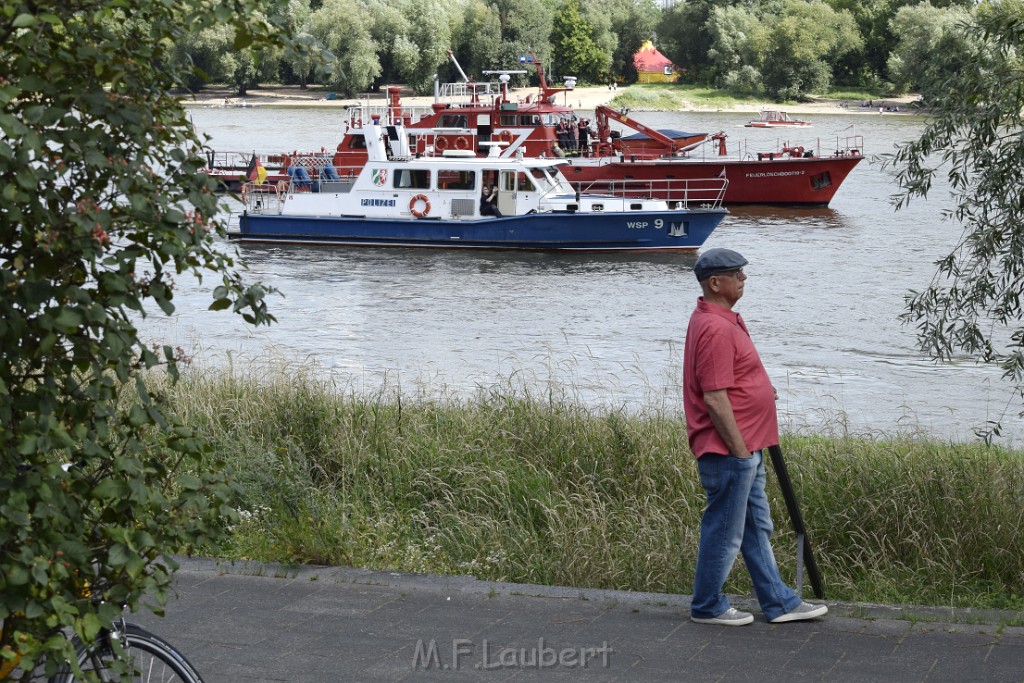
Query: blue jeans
x=736 y=519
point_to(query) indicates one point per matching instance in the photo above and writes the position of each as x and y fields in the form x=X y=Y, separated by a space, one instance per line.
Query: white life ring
x=419 y=213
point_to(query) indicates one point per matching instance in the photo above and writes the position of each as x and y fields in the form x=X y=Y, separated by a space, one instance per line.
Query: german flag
x=255 y=172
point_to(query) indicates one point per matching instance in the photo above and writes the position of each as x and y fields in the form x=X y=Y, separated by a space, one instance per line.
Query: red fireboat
x=477 y=118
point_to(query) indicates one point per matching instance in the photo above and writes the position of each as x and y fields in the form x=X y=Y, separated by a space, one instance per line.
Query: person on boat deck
x=584 y=135
x=560 y=134
x=489 y=201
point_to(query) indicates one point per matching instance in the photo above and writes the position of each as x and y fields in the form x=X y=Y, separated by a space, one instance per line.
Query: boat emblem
x=380 y=176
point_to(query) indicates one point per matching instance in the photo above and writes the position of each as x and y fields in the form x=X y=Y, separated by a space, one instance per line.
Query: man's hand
x=720 y=409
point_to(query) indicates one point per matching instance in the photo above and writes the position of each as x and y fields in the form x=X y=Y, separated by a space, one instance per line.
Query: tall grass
x=514 y=485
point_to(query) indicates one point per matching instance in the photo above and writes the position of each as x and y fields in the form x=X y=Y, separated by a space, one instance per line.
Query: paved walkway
x=251 y=623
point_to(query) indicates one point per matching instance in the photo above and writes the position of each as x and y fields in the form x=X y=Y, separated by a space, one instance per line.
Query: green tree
x=973 y=305
x=477 y=39
x=804 y=41
x=301 y=68
x=525 y=27
x=867 y=66
x=342 y=28
x=574 y=51
x=736 y=34
x=102 y=205
x=929 y=48
x=632 y=22
x=199 y=57
x=683 y=34
x=241 y=69
x=389 y=25
x=423 y=49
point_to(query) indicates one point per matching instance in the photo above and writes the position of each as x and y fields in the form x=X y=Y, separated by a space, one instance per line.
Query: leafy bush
x=102 y=205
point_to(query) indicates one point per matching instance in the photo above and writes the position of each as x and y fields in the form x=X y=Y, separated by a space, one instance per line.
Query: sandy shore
x=581 y=98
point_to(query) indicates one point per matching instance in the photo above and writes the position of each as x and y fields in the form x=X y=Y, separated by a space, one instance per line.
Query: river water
x=822 y=302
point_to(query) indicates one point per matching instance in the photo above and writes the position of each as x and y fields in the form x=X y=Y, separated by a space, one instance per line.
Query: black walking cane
x=803 y=544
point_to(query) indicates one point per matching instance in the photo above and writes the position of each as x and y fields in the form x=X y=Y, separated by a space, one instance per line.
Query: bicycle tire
x=154 y=660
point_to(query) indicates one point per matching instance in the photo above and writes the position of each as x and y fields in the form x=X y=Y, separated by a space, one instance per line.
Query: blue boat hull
x=649 y=231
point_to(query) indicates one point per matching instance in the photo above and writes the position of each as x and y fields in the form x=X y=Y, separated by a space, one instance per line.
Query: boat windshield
x=549 y=181
x=453 y=121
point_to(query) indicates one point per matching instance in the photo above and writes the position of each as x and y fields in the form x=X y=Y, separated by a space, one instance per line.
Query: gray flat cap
x=715 y=261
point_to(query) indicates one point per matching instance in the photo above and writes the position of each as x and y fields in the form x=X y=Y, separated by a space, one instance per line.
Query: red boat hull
x=666 y=161
x=781 y=181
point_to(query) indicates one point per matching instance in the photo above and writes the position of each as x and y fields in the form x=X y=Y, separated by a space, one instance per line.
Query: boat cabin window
x=456 y=180
x=452 y=121
x=520 y=180
x=529 y=120
x=412 y=179
x=509 y=120
x=356 y=142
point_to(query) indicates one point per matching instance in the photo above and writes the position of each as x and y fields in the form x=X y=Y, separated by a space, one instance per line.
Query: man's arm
x=724 y=420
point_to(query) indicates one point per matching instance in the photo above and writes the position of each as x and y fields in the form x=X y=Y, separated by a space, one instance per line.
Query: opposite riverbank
x=584 y=98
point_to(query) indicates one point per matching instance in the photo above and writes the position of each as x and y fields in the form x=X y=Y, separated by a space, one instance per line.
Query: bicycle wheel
x=153 y=659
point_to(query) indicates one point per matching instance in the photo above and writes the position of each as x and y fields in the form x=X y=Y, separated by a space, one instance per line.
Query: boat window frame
x=524 y=182
x=456 y=179
x=453 y=121
x=420 y=178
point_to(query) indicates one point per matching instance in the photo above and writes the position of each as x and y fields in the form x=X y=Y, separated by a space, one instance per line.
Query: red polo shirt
x=719 y=354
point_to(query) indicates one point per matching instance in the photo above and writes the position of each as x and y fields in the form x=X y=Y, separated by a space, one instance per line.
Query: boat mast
x=465 y=78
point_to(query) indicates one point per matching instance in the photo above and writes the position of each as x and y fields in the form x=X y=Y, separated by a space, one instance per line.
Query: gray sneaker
x=730 y=617
x=804 y=610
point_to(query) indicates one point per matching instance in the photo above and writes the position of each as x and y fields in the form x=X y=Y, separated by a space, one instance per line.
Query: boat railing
x=850 y=144
x=235 y=160
x=313 y=162
x=264 y=197
x=461 y=94
x=313 y=175
x=364 y=112
x=683 y=192
x=712 y=148
x=467 y=94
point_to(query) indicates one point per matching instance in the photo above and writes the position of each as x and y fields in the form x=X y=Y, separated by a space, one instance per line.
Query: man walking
x=731 y=419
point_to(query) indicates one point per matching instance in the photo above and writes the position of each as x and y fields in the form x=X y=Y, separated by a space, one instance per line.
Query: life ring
x=505 y=135
x=461 y=143
x=426 y=205
x=440 y=143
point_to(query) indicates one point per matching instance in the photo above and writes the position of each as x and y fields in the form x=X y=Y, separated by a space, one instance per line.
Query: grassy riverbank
x=680 y=97
x=533 y=488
